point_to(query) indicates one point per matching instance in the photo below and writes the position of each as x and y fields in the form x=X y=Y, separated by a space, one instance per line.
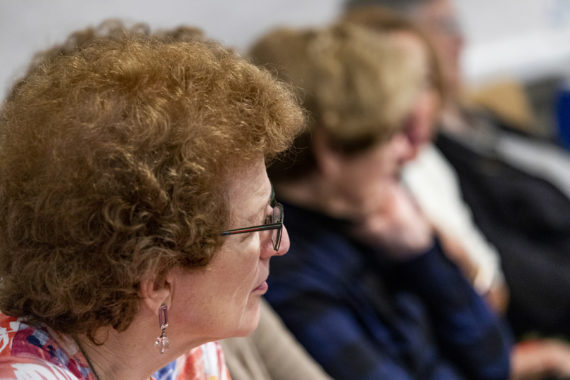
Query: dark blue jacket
x=363 y=317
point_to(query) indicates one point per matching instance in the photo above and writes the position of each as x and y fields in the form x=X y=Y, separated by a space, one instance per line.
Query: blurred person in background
x=366 y=287
x=432 y=181
x=523 y=211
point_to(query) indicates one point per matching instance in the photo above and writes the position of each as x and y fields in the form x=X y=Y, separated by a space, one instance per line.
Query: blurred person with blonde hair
x=366 y=287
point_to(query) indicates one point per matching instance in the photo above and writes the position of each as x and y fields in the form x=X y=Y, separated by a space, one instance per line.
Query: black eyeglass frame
x=263 y=227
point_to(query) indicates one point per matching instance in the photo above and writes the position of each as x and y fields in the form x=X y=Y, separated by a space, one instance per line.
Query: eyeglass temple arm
x=264 y=227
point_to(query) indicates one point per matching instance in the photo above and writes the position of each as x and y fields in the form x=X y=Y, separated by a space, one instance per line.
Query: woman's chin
x=250 y=319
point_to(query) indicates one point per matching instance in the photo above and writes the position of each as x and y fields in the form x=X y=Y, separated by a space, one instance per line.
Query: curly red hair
x=113 y=162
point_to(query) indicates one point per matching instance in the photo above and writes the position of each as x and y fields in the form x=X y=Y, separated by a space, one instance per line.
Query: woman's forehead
x=249 y=189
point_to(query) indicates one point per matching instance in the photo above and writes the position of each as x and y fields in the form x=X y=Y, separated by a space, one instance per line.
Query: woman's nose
x=268 y=250
x=403 y=148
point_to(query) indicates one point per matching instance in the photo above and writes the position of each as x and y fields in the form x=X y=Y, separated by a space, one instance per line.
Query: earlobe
x=155 y=292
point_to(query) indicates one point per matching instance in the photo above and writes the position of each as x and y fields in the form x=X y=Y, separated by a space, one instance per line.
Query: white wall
x=527 y=39
x=27 y=26
x=523 y=38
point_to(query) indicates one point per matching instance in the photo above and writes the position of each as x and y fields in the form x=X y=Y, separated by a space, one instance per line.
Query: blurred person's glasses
x=273 y=223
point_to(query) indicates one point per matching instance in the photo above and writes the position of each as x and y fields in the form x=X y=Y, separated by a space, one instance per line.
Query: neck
x=127 y=355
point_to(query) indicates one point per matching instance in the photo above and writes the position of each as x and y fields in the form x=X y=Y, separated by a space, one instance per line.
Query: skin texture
x=222 y=300
x=219 y=300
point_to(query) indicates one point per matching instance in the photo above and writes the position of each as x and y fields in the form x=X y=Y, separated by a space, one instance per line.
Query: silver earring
x=162 y=343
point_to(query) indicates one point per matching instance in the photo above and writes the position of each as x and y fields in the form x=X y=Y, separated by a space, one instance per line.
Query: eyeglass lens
x=277 y=217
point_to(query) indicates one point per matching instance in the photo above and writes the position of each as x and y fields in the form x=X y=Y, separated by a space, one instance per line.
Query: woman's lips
x=261 y=288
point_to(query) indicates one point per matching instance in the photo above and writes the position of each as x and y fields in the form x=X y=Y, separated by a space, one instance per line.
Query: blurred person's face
x=222 y=299
x=420 y=122
x=362 y=178
x=439 y=19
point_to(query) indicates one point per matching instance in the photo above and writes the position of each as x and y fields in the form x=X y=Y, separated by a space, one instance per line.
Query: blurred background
x=525 y=40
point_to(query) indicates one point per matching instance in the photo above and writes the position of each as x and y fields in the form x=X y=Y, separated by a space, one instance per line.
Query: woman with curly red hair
x=131 y=169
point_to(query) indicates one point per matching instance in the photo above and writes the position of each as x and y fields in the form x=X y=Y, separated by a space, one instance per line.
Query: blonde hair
x=357 y=85
x=383 y=20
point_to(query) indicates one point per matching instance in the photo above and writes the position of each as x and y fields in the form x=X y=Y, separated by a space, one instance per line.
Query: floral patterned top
x=28 y=352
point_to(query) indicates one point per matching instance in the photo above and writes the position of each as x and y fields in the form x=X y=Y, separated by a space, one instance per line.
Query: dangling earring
x=162 y=343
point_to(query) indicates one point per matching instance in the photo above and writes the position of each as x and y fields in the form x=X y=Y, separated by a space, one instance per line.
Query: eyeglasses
x=273 y=222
